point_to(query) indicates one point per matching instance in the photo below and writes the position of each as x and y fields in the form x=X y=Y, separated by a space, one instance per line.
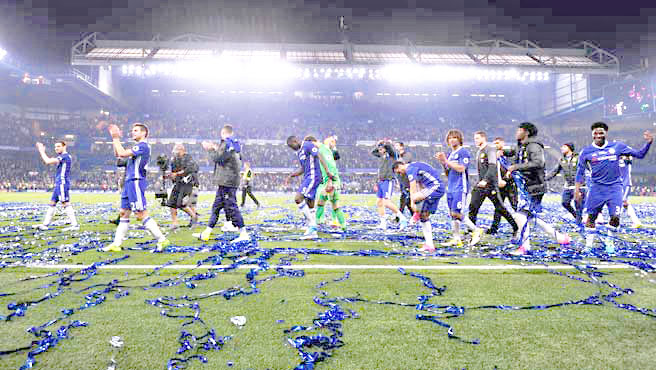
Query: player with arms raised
x=603 y=160
x=133 y=197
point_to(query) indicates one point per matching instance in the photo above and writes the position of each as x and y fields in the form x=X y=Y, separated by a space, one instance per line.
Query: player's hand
x=375 y=188
x=440 y=156
x=648 y=136
x=502 y=183
x=114 y=131
x=417 y=197
x=40 y=147
x=208 y=145
x=625 y=203
x=482 y=184
x=578 y=196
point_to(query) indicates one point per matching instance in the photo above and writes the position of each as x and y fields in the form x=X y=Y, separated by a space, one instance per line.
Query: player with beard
x=487 y=187
x=603 y=160
x=133 y=197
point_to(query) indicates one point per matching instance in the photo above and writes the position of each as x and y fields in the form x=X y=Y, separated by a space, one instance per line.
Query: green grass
x=383 y=337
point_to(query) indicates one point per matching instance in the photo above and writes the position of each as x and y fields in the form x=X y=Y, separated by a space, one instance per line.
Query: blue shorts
x=430 y=203
x=604 y=195
x=309 y=186
x=626 y=191
x=456 y=201
x=133 y=196
x=60 y=193
x=385 y=188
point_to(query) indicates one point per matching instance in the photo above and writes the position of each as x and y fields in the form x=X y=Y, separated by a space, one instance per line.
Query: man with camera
x=184 y=175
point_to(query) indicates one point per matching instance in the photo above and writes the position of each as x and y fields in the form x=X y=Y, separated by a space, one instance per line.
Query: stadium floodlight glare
x=3 y=53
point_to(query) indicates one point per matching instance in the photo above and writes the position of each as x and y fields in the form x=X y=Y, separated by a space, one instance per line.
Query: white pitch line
x=338 y=267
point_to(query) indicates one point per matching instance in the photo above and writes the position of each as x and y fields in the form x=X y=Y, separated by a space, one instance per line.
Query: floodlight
x=3 y=52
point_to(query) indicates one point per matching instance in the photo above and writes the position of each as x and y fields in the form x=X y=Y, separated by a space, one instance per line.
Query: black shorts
x=180 y=195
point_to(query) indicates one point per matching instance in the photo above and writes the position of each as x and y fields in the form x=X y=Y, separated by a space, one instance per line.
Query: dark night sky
x=41 y=31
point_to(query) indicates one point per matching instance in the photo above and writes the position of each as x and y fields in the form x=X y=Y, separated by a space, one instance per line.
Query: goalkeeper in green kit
x=328 y=190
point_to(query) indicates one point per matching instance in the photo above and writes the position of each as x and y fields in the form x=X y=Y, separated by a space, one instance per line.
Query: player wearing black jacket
x=530 y=181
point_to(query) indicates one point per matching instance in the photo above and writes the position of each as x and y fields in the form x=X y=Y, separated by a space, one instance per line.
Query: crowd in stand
x=351 y=120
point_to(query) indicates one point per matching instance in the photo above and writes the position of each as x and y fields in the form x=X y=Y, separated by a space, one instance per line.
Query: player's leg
x=477 y=197
x=338 y=214
x=594 y=203
x=230 y=204
x=174 y=203
x=217 y=206
x=629 y=208
x=614 y=204
x=387 y=202
x=139 y=207
x=452 y=200
x=68 y=209
x=496 y=219
x=50 y=212
x=559 y=237
x=321 y=201
x=493 y=195
x=249 y=191
x=566 y=201
x=300 y=198
x=428 y=207
x=243 y=197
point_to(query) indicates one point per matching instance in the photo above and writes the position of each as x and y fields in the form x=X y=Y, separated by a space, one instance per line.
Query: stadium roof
x=584 y=58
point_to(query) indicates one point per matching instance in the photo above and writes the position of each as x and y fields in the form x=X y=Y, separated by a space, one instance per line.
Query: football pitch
x=363 y=299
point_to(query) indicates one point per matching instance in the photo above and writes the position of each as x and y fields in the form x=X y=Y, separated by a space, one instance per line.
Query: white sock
x=313 y=217
x=400 y=215
x=468 y=223
x=49 y=213
x=632 y=214
x=383 y=222
x=547 y=228
x=71 y=215
x=589 y=237
x=208 y=230
x=455 y=225
x=427 y=228
x=305 y=210
x=121 y=230
x=151 y=226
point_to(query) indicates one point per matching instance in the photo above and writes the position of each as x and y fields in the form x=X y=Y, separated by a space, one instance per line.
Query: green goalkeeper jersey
x=327 y=155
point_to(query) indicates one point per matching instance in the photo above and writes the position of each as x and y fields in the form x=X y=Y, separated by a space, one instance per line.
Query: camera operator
x=184 y=174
